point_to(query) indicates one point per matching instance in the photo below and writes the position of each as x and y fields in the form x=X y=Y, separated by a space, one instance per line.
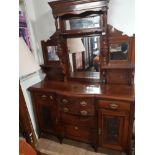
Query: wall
x=41 y=20
x=121 y=15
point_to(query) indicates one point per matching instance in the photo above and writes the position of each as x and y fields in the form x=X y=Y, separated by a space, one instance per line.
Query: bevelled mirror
x=52 y=53
x=83 y=23
x=118 y=51
x=83 y=54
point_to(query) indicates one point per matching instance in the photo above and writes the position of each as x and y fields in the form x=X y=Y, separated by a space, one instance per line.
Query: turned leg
x=95 y=147
x=60 y=139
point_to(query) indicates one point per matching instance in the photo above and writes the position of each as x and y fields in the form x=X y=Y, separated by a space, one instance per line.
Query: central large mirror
x=83 y=54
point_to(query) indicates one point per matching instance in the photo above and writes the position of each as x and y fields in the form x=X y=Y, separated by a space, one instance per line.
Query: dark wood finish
x=63 y=7
x=119 y=39
x=47 y=112
x=78 y=120
x=77 y=105
x=53 y=41
x=53 y=72
x=114 y=123
x=85 y=32
x=78 y=110
x=119 y=76
x=75 y=112
x=93 y=107
x=118 y=92
x=70 y=9
x=114 y=105
x=113 y=126
x=66 y=10
x=118 y=71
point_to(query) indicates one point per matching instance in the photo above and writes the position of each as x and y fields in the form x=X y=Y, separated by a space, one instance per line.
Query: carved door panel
x=113 y=129
x=46 y=117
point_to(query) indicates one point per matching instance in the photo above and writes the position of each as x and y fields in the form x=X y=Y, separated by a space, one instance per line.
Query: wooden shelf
x=118 y=66
x=86 y=76
x=83 y=32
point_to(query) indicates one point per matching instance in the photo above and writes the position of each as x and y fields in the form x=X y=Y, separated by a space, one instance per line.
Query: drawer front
x=82 y=121
x=86 y=106
x=68 y=105
x=114 y=105
x=45 y=98
x=78 y=132
x=77 y=105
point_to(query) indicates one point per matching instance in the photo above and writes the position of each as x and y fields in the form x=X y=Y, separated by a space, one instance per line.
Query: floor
x=69 y=147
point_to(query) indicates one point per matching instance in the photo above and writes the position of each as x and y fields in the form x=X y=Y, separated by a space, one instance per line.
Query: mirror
x=83 y=54
x=83 y=23
x=119 y=51
x=52 y=53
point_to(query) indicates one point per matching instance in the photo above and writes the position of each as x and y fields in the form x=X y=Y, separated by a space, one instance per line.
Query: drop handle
x=76 y=128
x=113 y=106
x=43 y=97
x=65 y=101
x=83 y=112
x=51 y=97
x=66 y=109
x=83 y=103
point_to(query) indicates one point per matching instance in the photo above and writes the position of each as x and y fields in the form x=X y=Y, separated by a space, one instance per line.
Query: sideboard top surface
x=120 y=92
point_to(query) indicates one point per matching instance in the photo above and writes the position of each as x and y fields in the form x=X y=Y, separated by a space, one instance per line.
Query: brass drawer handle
x=66 y=109
x=113 y=106
x=51 y=97
x=64 y=101
x=76 y=128
x=83 y=112
x=56 y=121
x=43 y=97
x=83 y=103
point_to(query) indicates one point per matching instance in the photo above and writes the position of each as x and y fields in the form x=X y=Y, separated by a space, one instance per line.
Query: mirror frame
x=82 y=18
x=102 y=28
x=85 y=76
x=121 y=39
x=101 y=32
x=86 y=59
x=45 y=52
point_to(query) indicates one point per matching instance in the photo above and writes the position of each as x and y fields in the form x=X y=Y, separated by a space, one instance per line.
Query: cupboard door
x=46 y=118
x=113 y=129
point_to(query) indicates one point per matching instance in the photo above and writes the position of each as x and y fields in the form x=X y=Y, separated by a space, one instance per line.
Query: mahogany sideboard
x=93 y=101
x=101 y=115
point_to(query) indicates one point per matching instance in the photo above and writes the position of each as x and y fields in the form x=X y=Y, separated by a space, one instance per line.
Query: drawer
x=44 y=98
x=86 y=104
x=68 y=105
x=69 y=108
x=78 y=132
x=77 y=105
x=82 y=121
x=114 y=105
x=74 y=109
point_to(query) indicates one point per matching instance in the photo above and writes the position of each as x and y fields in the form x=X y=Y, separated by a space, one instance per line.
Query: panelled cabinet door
x=113 y=129
x=46 y=117
x=46 y=111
